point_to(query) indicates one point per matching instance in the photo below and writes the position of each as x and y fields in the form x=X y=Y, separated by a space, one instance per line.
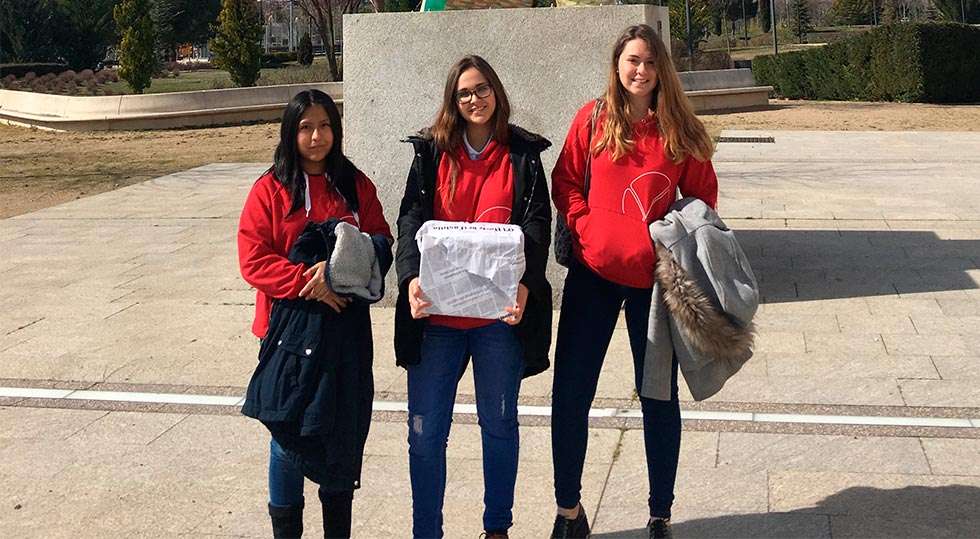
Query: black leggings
x=590 y=308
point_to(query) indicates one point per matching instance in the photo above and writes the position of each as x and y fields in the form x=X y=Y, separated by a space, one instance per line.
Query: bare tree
x=326 y=16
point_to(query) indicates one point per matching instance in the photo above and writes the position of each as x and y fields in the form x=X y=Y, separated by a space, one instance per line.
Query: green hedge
x=911 y=62
x=277 y=59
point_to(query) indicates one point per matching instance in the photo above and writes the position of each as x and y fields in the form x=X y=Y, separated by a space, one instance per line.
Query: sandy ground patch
x=41 y=168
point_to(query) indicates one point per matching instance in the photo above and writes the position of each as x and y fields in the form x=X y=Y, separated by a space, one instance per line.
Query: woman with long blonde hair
x=471 y=166
x=625 y=156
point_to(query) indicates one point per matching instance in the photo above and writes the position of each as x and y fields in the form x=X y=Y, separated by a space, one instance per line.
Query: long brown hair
x=449 y=125
x=682 y=131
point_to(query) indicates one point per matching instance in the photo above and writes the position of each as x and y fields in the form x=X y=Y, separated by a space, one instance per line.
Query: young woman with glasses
x=472 y=166
x=646 y=144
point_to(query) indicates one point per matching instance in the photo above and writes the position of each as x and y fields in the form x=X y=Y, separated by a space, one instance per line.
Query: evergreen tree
x=800 y=19
x=137 y=48
x=237 y=41
x=88 y=31
x=305 y=52
x=700 y=21
x=850 y=12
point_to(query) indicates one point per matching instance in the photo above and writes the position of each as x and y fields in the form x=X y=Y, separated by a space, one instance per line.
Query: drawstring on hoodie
x=309 y=204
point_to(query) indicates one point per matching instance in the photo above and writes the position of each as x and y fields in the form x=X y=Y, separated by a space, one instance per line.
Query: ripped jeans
x=497 y=369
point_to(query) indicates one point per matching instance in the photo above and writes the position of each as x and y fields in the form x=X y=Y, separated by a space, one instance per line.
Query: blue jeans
x=589 y=310
x=497 y=368
x=285 y=478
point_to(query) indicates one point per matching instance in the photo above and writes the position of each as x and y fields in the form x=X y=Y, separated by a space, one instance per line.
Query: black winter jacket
x=313 y=387
x=531 y=210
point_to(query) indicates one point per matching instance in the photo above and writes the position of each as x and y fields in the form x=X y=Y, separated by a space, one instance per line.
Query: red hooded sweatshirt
x=484 y=194
x=266 y=231
x=624 y=197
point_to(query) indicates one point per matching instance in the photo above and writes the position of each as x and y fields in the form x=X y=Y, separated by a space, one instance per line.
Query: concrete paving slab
x=920 y=525
x=891 y=495
x=958 y=368
x=127 y=428
x=952 y=457
x=857 y=365
x=934 y=345
x=615 y=523
x=757 y=451
x=876 y=324
x=964 y=392
x=827 y=389
x=43 y=424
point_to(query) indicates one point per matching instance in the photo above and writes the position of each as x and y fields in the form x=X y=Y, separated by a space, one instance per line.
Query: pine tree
x=305 y=52
x=237 y=41
x=137 y=48
x=849 y=12
x=800 y=19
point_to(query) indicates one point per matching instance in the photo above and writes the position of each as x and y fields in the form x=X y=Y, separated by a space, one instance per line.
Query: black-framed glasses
x=482 y=91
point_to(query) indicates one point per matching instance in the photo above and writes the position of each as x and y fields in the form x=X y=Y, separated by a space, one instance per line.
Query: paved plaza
x=124 y=349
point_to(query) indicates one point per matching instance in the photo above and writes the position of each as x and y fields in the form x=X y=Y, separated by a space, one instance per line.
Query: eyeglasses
x=482 y=91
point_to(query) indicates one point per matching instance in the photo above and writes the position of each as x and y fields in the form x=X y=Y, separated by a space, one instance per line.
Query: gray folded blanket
x=353 y=268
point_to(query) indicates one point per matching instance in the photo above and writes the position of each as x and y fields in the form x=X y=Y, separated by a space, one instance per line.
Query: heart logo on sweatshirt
x=651 y=185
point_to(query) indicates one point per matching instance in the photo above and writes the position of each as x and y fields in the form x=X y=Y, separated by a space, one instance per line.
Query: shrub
x=305 y=54
x=86 y=75
x=296 y=75
x=236 y=42
x=196 y=65
x=30 y=76
x=137 y=48
x=21 y=70
x=277 y=59
x=926 y=62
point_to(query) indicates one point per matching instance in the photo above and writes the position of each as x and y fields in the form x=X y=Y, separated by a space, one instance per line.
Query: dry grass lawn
x=41 y=168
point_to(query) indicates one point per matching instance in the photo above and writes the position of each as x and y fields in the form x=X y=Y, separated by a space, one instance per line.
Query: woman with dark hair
x=311 y=182
x=638 y=144
x=472 y=166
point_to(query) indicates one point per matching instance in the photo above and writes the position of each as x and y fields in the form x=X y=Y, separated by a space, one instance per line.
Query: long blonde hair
x=682 y=131
x=447 y=131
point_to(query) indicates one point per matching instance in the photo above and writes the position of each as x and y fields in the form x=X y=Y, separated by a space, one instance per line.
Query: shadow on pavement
x=801 y=265
x=866 y=512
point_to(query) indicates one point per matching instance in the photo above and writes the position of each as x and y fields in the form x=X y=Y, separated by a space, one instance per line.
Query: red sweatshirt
x=266 y=233
x=624 y=197
x=484 y=194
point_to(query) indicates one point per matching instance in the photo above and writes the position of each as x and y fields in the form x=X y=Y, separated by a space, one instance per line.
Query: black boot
x=287 y=522
x=336 y=508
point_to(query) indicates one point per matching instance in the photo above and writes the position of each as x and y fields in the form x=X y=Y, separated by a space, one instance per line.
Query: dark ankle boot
x=336 y=508
x=287 y=522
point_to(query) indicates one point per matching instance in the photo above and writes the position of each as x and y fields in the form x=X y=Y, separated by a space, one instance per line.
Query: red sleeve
x=699 y=180
x=262 y=264
x=568 y=176
x=371 y=215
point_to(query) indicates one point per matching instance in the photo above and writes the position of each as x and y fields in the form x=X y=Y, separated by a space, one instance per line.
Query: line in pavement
x=74 y=395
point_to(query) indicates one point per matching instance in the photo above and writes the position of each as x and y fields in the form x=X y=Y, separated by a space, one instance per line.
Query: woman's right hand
x=317 y=288
x=416 y=299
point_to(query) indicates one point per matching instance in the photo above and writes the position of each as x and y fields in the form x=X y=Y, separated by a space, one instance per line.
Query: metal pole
x=962 y=12
x=772 y=15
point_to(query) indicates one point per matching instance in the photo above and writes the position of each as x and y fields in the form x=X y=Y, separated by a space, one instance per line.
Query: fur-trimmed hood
x=705 y=297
